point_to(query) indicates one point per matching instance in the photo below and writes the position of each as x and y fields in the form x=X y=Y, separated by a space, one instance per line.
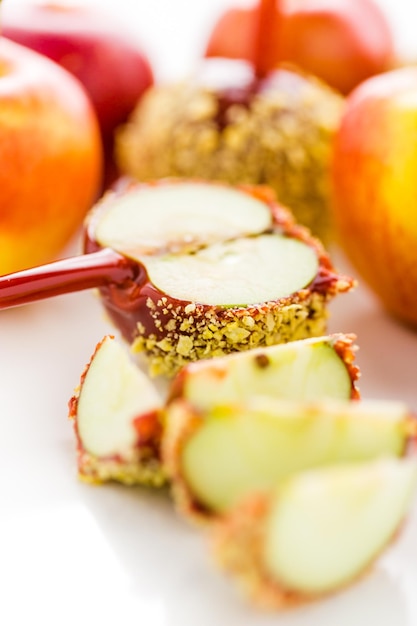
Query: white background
x=75 y=554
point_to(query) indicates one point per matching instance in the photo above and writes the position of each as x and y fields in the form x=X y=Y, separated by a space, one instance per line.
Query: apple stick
x=269 y=16
x=85 y=271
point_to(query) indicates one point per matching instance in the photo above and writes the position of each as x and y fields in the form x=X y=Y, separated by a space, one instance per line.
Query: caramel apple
x=217 y=457
x=308 y=369
x=220 y=270
x=115 y=410
x=227 y=123
x=316 y=532
x=118 y=412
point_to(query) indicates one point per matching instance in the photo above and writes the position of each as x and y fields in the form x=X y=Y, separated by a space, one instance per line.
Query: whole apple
x=343 y=42
x=375 y=187
x=91 y=45
x=51 y=157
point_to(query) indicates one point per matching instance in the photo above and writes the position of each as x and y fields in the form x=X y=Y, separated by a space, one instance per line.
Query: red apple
x=91 y=45
x=51 y=157
x=375 y=187
x=343 y=42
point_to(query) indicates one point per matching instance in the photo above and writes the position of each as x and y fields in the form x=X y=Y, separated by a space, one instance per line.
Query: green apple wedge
x=115 y=409
x=307 y=369
x=316 y=532
x=216 y=458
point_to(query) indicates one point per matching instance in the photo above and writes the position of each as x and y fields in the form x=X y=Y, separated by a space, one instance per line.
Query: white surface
x=75 y=554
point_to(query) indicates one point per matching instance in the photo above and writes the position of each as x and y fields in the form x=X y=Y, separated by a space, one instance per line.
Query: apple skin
x=51 y=157
x=91 y=45
x=343 y=42
x=375 y=188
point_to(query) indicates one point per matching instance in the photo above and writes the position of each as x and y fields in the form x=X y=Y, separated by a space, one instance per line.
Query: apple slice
x=317 y=532
x=220 y=270
x=273 y=267
x=216 y=458
x=307 y=369
x=173 y=217
x=116 y=416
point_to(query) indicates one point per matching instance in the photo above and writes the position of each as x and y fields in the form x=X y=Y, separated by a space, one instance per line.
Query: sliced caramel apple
x=316 y=532
x=220 y=270
x=217 y=457
x=116 y=416
x=307 y=369
x=117 y=409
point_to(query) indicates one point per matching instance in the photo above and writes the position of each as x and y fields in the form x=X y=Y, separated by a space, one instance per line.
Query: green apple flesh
x=175 y=217
x=243 y=448
x=307 y=369
x=113 y=394
x=236 y=273
x=198 y=243
x=326 y=526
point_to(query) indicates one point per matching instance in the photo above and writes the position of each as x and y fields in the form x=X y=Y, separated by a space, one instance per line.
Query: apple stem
x=66 y=276
x=267 y=33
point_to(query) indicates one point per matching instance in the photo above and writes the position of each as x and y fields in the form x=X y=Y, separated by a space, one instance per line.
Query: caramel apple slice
x=316 y=532
x=217 y=457
x=115 y=410
x=307 y=369
x=223 y=270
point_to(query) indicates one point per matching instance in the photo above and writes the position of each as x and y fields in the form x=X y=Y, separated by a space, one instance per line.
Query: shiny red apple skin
x=91 y=45
x=375 y=188
x=51 y=157
x=343 y=42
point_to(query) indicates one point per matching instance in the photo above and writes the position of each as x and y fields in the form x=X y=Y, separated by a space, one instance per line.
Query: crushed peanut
x=216 y=331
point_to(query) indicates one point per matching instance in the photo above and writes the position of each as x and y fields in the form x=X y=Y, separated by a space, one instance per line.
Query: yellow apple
x=51 y=157
x=375 y=187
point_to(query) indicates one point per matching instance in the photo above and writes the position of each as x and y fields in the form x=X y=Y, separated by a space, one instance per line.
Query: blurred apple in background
x=375 y=187
x=51 y=157
x=343 y=42
x=94 y=47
